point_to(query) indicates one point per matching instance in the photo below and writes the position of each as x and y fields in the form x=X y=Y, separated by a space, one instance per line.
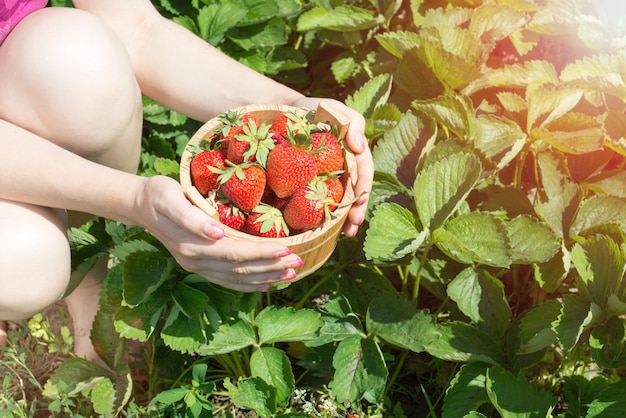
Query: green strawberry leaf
x=441 y=188
x=531 y=241
x=515 y=397
x=466 y=392
x=231 y=336
x=398 y=321
x=462 y=342
x=481 y=297
x=286 y=324
x=274 y=367
x=143 y=273
x=393 y=233
x=360 y=370
x=475 y=237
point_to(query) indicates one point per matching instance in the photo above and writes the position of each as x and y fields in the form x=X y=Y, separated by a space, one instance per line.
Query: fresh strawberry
x=230 y=215
x=233 y=123
x=202 y=176
x=288 y=169
x=243 y=184
x=252 y=144
x=310 y=206
x=335 y=191
x=327 y=152
x=266 y=221
x=288 y=124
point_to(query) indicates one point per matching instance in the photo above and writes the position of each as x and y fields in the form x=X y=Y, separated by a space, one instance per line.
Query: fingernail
x=360 y=221
x=360 y=143
x=288 y=274
x=283 y=253
x=213 y=231
x=296 y=263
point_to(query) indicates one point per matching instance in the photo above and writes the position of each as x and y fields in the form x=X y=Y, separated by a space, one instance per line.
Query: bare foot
x=3 y=333
x=82 y=305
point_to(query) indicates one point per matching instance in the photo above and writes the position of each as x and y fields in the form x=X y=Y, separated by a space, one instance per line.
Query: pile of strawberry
x=271 y=178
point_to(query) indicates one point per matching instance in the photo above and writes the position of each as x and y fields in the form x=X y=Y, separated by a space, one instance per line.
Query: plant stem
x=418 y=274
x=396 y=372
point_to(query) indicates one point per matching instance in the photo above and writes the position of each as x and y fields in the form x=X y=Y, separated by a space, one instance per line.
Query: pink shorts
x=13 y=11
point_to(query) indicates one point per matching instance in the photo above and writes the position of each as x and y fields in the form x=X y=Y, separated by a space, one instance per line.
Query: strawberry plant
x=489 y=277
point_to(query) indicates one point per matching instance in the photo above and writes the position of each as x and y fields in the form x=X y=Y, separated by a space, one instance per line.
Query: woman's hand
x=358 y=144
x=198 y=244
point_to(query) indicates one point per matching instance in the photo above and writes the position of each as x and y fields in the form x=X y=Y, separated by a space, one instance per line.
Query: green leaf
x=398 y=321
x=549 y=103
x=360 y=371
x=515 y=397
x=103 y=398
x=442 y=187
x=183 y=334
x=190 y=301
x=531 y=241
x=453 y=112
x=399 y=43
x=392 y=233
x=139 y=323
x=606 y=344
x=580 y=392
x=499 y=139
x=466 y=392
x=462 y=342
x=599 y=210
x=573 y=133
x=481 y=297
x=603 y=271
x=575 y=317
x=143 y=273
x=399 y=151
x=229 y=337
x=253 y=393
x=515 y=76
x=535 y=331
x=270 y=34
x=286 y=324
x=171 y=396
x=341 y=18
x=274 y=367
x=371 y=95
x=75 y=370
x=601 y=72
x=475 y=237
x=215 y=20
x=610 y=403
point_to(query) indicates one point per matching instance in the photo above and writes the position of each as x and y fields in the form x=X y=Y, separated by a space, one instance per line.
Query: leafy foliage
x=489 y=277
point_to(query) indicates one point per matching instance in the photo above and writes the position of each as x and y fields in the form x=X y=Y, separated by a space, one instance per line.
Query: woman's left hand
x=355 y=138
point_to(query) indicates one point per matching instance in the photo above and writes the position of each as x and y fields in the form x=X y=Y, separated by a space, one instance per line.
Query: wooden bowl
x=314 y=247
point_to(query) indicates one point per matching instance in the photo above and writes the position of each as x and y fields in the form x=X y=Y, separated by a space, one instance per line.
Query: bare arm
x=185 y=73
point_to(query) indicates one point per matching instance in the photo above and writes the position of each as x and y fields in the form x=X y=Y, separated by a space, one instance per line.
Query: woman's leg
x=66 y=77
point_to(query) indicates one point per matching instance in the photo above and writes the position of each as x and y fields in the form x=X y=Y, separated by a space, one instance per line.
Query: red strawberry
x=310 y=206
x=230 y=215
x=335 y=191
x=202 y=177
x=266 y=221
x=288 y=169
x=243 y=184
x=288 y=124
x=327 y=152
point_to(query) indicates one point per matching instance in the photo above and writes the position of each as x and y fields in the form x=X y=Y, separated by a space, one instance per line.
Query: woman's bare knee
x=34 y=259
x=65 y=76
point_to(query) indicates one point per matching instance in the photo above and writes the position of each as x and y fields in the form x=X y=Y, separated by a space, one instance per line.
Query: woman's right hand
x=198 y=244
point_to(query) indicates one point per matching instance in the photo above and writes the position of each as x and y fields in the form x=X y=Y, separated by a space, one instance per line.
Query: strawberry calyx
x=269 y=218
x=260 y=140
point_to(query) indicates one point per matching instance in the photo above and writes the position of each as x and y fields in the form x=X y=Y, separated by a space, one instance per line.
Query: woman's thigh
x=34 y=258
x=66 y=77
